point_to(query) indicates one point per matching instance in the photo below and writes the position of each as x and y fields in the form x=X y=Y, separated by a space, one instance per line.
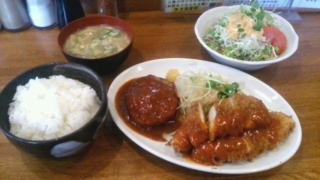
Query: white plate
x=253 y=86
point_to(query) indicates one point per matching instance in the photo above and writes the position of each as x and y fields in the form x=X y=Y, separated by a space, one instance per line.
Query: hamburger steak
x=152 y=101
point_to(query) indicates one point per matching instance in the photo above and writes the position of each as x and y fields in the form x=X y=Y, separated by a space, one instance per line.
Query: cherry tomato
x=276 y=38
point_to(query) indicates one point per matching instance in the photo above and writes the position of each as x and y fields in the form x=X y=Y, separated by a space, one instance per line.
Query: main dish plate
x=251 y=85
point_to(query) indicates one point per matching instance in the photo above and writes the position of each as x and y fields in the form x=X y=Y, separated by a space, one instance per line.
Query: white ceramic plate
x=253 y=86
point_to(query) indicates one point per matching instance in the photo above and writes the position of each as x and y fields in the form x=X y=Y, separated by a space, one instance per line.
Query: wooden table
x=158 y=35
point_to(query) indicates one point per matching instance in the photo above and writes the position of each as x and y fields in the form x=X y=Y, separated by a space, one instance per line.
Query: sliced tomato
x=276 y=38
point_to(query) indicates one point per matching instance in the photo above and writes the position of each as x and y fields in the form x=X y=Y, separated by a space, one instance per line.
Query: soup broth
x=96 y=42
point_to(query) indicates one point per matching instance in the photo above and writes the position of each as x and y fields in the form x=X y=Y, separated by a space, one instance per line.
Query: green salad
x=239 y=34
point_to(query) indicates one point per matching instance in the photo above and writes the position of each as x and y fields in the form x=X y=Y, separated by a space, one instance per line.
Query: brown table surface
x=159 y=35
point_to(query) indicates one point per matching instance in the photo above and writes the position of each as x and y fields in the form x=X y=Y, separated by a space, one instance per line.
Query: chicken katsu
x=193 y=132
x=256 y=131
x=234 y=115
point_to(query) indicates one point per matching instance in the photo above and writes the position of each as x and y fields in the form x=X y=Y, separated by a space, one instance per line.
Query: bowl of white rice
x=55 y=109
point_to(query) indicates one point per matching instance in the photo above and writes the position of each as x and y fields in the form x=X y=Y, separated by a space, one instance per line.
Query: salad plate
x=248 y=84
x=212 y=16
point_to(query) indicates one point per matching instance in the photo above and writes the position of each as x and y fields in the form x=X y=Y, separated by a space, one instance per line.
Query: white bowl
x=211 y=16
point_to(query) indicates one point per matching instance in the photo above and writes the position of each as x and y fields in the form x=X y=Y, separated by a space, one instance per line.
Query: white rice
x=46 y=109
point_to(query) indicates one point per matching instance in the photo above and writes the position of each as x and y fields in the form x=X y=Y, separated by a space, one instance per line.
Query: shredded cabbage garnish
x=203 y=87
x=247 y=46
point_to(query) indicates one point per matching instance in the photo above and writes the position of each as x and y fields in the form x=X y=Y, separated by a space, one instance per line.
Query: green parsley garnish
x=258 y=26
x=240 y=30
x=257 y=13
x=225 y=90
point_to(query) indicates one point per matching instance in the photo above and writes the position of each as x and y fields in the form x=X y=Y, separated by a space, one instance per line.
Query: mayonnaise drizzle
x=245 y=22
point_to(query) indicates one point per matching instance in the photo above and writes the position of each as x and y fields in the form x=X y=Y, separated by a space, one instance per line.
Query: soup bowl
x=70 y=144
x=104 y=65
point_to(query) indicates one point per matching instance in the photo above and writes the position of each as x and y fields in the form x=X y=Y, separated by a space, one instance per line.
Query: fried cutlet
x=252 y=138
x=193 y=132
x=234 y=115
x=246 y=147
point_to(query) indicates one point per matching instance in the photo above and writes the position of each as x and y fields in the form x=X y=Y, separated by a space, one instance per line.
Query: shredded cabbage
x=202 y=87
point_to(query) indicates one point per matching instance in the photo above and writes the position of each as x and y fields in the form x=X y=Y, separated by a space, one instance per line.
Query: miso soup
x=96 y=42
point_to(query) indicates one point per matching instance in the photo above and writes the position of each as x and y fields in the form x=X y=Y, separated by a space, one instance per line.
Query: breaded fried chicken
x=193 y=132
x=246 y=147
x=241 y=129
x=234 y=115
